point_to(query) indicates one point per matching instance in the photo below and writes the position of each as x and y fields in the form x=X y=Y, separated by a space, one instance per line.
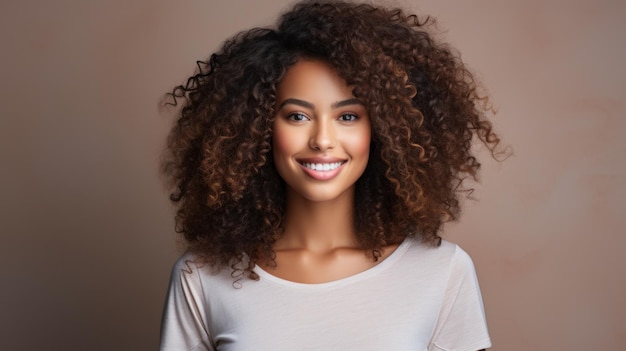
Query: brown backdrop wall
x=87 y=231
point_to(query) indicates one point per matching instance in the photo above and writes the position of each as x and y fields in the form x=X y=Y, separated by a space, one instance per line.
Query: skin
x=319 y=121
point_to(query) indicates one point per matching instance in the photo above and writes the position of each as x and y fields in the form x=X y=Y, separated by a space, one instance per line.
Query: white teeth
x=322 y=166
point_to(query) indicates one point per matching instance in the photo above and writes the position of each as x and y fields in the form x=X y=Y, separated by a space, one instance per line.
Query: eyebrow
x=348 y=102
x=306 y=104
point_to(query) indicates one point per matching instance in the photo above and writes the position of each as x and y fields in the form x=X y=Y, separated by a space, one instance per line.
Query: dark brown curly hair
x=423 y=104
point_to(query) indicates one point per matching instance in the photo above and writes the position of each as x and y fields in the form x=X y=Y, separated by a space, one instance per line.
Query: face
x=321 y=133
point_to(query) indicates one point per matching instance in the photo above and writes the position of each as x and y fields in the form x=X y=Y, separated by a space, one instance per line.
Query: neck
x=318 y=226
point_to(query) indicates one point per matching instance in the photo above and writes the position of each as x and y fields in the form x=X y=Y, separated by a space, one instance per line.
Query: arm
x=183 y=326
x=462 y=324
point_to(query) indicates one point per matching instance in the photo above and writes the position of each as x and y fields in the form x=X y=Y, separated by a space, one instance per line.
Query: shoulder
x=447 y=253
x=444 y=263
x=187 y=264
x=196 y=273
x=459 y=258
x=185 y=272
x=193 y=270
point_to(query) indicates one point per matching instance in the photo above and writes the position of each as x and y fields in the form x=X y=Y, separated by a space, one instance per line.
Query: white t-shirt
x=419 y=298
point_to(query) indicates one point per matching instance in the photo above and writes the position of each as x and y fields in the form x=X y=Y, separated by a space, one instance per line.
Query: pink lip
x=321 y=175
x=321 y=159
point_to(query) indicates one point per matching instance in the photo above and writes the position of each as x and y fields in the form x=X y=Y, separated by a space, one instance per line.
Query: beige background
x=87 y=232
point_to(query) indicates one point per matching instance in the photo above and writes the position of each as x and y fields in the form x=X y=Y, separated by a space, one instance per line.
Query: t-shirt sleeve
x=183 y=326
x=462 y=325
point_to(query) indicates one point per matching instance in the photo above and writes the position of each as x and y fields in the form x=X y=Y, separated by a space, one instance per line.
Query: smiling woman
x=314 y=165
x=321 y=134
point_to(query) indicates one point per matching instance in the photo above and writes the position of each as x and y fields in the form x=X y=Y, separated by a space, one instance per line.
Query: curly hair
x=424 y=107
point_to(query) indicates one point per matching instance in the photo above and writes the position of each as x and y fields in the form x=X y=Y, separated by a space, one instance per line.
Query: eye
x=348 y=117
x=298 y=117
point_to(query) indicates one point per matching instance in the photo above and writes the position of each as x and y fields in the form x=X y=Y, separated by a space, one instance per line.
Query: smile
x=322 y=167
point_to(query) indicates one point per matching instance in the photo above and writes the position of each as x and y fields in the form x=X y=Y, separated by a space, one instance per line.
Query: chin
x=323 y=195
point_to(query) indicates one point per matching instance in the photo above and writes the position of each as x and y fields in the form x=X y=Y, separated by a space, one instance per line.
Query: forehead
x=313 y=79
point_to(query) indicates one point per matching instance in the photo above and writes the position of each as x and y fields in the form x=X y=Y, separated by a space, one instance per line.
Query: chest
x=393 y=314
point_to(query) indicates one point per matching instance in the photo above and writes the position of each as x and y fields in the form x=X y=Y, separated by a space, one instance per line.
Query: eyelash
x=301 y=116
x=298 y=117
x=352 y=117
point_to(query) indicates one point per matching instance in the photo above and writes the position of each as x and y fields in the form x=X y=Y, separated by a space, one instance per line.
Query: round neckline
x=384 y=264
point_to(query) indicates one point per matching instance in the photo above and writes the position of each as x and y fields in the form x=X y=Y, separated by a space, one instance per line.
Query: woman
x=314 y=165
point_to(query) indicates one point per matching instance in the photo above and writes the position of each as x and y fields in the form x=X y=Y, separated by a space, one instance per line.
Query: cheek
x=280 y=142
x=364 y=145
x=360 y=144
x=286 y=142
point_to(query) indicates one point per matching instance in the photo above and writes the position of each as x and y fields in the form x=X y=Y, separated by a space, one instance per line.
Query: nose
x=323 y=136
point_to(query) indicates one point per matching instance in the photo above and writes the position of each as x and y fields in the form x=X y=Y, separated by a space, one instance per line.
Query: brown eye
x=298 y=117
x=348 y=117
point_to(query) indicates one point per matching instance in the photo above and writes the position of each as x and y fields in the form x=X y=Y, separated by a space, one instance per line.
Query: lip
x=329 y=170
